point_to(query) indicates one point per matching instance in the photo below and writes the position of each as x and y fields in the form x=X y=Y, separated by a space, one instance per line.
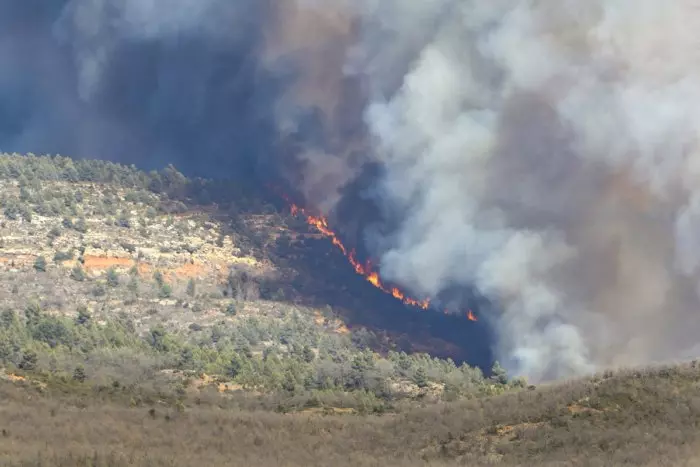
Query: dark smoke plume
x=545 y=153
x=147 y=82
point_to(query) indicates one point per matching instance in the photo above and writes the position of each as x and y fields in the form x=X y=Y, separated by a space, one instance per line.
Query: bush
x=62 y=256
x=112 y=277
x=84 y=316
x=77 y=273
x=29 y=361
x=158 y=277
x=134 y=284
x=79 y=374
x=99 y=290
x=191 y=288
x=124 y=222
x=80 y=225
x=166 y=291
x=40 y=264
x=231 y=309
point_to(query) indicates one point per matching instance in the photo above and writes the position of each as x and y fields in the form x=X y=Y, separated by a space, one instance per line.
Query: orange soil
x=101 y=262
x=190 y=270
x=18 y=260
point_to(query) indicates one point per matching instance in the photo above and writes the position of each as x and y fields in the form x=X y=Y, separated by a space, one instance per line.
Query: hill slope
x=645 y=418
x=178 y=322
x=128 y=277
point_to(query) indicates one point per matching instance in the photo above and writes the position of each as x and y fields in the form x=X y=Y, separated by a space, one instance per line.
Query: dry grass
x=632 y=418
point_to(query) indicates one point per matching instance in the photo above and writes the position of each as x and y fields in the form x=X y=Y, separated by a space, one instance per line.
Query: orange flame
x=366 y=270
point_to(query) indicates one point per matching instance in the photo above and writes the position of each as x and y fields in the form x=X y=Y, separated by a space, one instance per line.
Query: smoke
x=149 y=82
x=548 y=154
x=545 y=153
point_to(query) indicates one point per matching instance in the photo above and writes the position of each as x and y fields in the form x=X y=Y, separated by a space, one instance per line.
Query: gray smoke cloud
x=544 y=152
x=547 y=152
x=148 y=82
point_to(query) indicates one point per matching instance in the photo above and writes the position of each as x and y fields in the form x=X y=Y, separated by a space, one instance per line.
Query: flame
x=367 y=269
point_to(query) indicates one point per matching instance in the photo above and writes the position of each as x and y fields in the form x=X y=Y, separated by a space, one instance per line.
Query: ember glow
x=365 y=269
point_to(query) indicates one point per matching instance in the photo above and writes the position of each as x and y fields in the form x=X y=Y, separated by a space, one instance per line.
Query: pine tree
x=112 y=277
x=84 y=316
x=79 y=374
x=191 y=288
x=420 y=378
x=40 y=264
x=498 y=373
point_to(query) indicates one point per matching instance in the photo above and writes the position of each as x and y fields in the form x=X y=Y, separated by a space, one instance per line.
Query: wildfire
x=366 y=270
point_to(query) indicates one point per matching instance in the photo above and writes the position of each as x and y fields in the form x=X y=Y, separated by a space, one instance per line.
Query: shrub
x=29 y=361
x=79 y=374
x=112 y=277
x=99 y=290
x=134 y=284
x=77 y=273
x=165 y=291
x=62 y=256
x=40 y=264
x=84 y=316
x=191 y=288
x=80 y=225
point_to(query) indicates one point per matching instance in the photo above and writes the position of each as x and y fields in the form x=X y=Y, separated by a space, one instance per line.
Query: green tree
x=84 y=316
x=233 y=369
x=186 y=359
x=54 y=233
x=308 y=354
x=29 y=361
x=12 y=210
x=80 y=225
x=32 y=313
x=420 y=377
x=191 y=288
x=498 y=373
x=112 y=277
x=77 y=273
x=133 y=285
x=63 y=256
x=79 y=374
x=8 y=318
x=25 y=213
x=158 y=339
x=158 y=277
x=123 y=221
x=40 y=264
x=99 y=290
x=231 y=309
x=166 y=291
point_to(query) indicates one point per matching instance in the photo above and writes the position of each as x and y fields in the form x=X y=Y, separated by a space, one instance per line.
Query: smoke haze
x=546 y=153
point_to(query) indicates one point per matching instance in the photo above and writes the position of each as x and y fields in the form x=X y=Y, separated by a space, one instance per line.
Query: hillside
x=126 y=277
x=181 y=322
x=643 y=418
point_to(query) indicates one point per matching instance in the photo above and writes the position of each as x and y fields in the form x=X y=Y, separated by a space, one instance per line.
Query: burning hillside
x=366 y=269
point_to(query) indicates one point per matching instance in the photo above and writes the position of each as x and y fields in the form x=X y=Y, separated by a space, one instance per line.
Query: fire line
x=366 y=270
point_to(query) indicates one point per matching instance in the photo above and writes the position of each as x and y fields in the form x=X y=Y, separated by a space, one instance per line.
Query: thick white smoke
x=546 y=152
